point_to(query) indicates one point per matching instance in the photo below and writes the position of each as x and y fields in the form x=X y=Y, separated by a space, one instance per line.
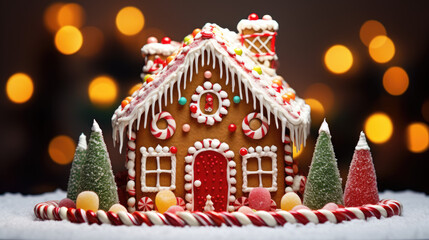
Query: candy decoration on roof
x=323 y=182
x=361 y=185
x=75 y=180
x=97 y=170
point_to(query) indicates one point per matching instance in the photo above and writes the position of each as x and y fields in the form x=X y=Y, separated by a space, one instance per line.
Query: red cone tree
x=361 y=185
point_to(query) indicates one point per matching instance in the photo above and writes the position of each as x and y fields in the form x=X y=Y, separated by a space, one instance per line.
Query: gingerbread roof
x=211 y=44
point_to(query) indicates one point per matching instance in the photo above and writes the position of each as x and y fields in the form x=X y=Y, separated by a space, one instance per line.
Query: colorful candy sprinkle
x=166 y=40
x=186 y=128
x=253 y=16
x=258 y=69
x=207 y=74
x=195 y=32
x=238 y=51
x=232 y=127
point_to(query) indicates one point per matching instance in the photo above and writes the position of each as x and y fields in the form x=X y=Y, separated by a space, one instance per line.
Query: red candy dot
x=232 y=127
x=253 y=16
x=243 y=151
x=193 y=108
x=166 y=40
x=173 y=150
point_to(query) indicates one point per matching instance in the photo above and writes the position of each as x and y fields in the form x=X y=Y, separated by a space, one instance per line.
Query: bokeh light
x=68 y=40
x=71 y=14
x=296 y=153
x=50 y=17
x=395 y=81
x=323 y=93
x=378 y=127
x=94 y=41
x=425 y=110
x=19 y=88
x=417 y=137
x=381 y=49
x=338 y=59
x=61 y=149
x=130 y=21
x=369 y=30
x=317 y=111
x=102 y=91
x=134 y=88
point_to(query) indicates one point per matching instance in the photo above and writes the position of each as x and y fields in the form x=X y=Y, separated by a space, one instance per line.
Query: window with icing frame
x=158 y=169
x=260 y=165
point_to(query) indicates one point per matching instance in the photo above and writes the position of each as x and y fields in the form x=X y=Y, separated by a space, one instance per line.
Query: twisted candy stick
x=385 y=208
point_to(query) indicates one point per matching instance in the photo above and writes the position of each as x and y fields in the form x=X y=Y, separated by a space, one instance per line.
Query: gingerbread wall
x=236 y=140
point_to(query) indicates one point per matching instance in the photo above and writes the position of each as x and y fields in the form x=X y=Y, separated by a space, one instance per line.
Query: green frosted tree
x=75 y=179
x=323 y=182
x=97 y=170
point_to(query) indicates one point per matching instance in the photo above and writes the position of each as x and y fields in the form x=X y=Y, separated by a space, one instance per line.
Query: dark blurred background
x=83 y=57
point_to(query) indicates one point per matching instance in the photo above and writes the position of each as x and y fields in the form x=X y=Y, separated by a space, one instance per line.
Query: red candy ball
x=67 y=202
x=243 y=151
x=166 y=40
x=260 y=199
x=173 y=150
x=232 y=127
x=193 y=108
x=253 y=16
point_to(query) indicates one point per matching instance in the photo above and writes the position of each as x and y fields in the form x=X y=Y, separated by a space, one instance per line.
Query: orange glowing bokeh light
x=381 y=49
x=322 y=93
x=417 y=137
x=395 y=81
x=134 y=88
x=296 y=153
x=130 y=21
x=68 y=40
x=102 y=91
x=378 y=127
x=61 y=149
x=93 y=43
x=369 y=30
x=338 y=59
x=71 y=14
x=50 y=16
x=317 y=111
x=19 y=88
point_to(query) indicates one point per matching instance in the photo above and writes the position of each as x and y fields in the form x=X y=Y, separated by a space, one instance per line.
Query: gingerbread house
x=215 y=120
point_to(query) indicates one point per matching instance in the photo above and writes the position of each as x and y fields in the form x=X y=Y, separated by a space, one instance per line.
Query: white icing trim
x=157 y=152
x=243 y=219
x=159 y=48
x=130 y=166
x=223 y=101
x=267 y=218
x=82 y=142
x=193 y=151
x=324 y=128
x=260 y=24
x=260 y=152
x=362 y=143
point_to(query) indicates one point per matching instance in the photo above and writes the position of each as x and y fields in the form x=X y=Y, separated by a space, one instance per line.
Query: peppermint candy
x=239 y=202
x=273 y=206
x=163 y=133
x=145 y=204
x=258 y=133
x=181 y=202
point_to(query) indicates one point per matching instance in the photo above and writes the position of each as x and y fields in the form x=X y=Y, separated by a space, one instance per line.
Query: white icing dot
x=223 y=94
x=201 y=119
x=188 y=168
x=230 y=154
x=197 y=183
x=195 y=97
x=150 y=150
x=210 y=120
x=233 y=172
x=206 y=143
x=274 y=148
x=266 y=149
x=208 y=85
x=165 y=149
x=217 y=87
x=233 y=190
x=199 y=89
x=251 y=150
x=130 y=165
x=224 y=147
x=231 y=163
x=215 y=143
x=232 y=180
x=188 y=177
x=188 y=186
x=158 y=149
x=189 y=206
x=188 y=159
x=231 y=198
x=258 y=149
x=131 y=202
x=188 y=197
x=191 y=150
x=231 y=208
x=143 y=149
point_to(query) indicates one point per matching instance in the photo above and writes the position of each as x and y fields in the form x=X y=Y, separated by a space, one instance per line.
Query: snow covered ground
x=17 y=221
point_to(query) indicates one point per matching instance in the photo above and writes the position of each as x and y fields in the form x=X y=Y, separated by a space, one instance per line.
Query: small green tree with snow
x=97 y=170
x=323 y=182
x=75 y=179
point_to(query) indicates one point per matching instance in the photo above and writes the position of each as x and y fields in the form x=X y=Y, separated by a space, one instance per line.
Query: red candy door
x=210 y=177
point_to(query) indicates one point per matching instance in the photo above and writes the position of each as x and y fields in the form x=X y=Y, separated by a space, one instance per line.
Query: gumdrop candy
x=245 y=210
x=298 y=207
x=260 y=199
x=117 y=208
x=330 y=206
x=289 y=201
x=361 y=185
x=87 y=200
x=174 y=209
x=67 y=202
x=165 y=199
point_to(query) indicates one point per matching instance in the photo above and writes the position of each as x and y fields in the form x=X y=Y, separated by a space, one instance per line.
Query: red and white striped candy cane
x=163 y=133
x=145 y=204
x=273 y=206
x=258 y=133
x=181 y=202
x=239 y=202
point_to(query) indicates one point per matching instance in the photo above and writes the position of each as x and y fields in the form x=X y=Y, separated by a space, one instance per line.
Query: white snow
x=362 y=144
x=82 y=141
x=17 y=221
x=324 y=127
x=95 y=127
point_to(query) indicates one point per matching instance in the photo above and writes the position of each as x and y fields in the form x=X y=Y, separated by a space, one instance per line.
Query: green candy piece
x=236 y=99
x=182 y=101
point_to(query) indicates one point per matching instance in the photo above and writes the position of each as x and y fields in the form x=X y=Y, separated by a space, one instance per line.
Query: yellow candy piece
x=117 y=208
x=87 y=200
x=165 y=199
x=289 y=201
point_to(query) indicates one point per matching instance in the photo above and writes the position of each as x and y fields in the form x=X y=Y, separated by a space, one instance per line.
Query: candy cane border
x=385 y=208
x=294 y=182
x=214 y=145
x=130 y=165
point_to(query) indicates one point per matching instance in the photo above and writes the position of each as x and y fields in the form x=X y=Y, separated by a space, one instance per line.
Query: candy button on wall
x=197 y=183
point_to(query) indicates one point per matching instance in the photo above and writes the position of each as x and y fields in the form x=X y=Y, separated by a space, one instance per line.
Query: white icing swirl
x=257 y=25
x=159 y=48
x=362 y=144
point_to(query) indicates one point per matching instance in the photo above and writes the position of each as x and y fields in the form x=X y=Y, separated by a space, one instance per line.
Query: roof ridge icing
x=211 y=44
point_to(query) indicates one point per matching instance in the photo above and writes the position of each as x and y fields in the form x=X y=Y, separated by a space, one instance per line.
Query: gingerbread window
x=158 y=169
x=259 y=168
